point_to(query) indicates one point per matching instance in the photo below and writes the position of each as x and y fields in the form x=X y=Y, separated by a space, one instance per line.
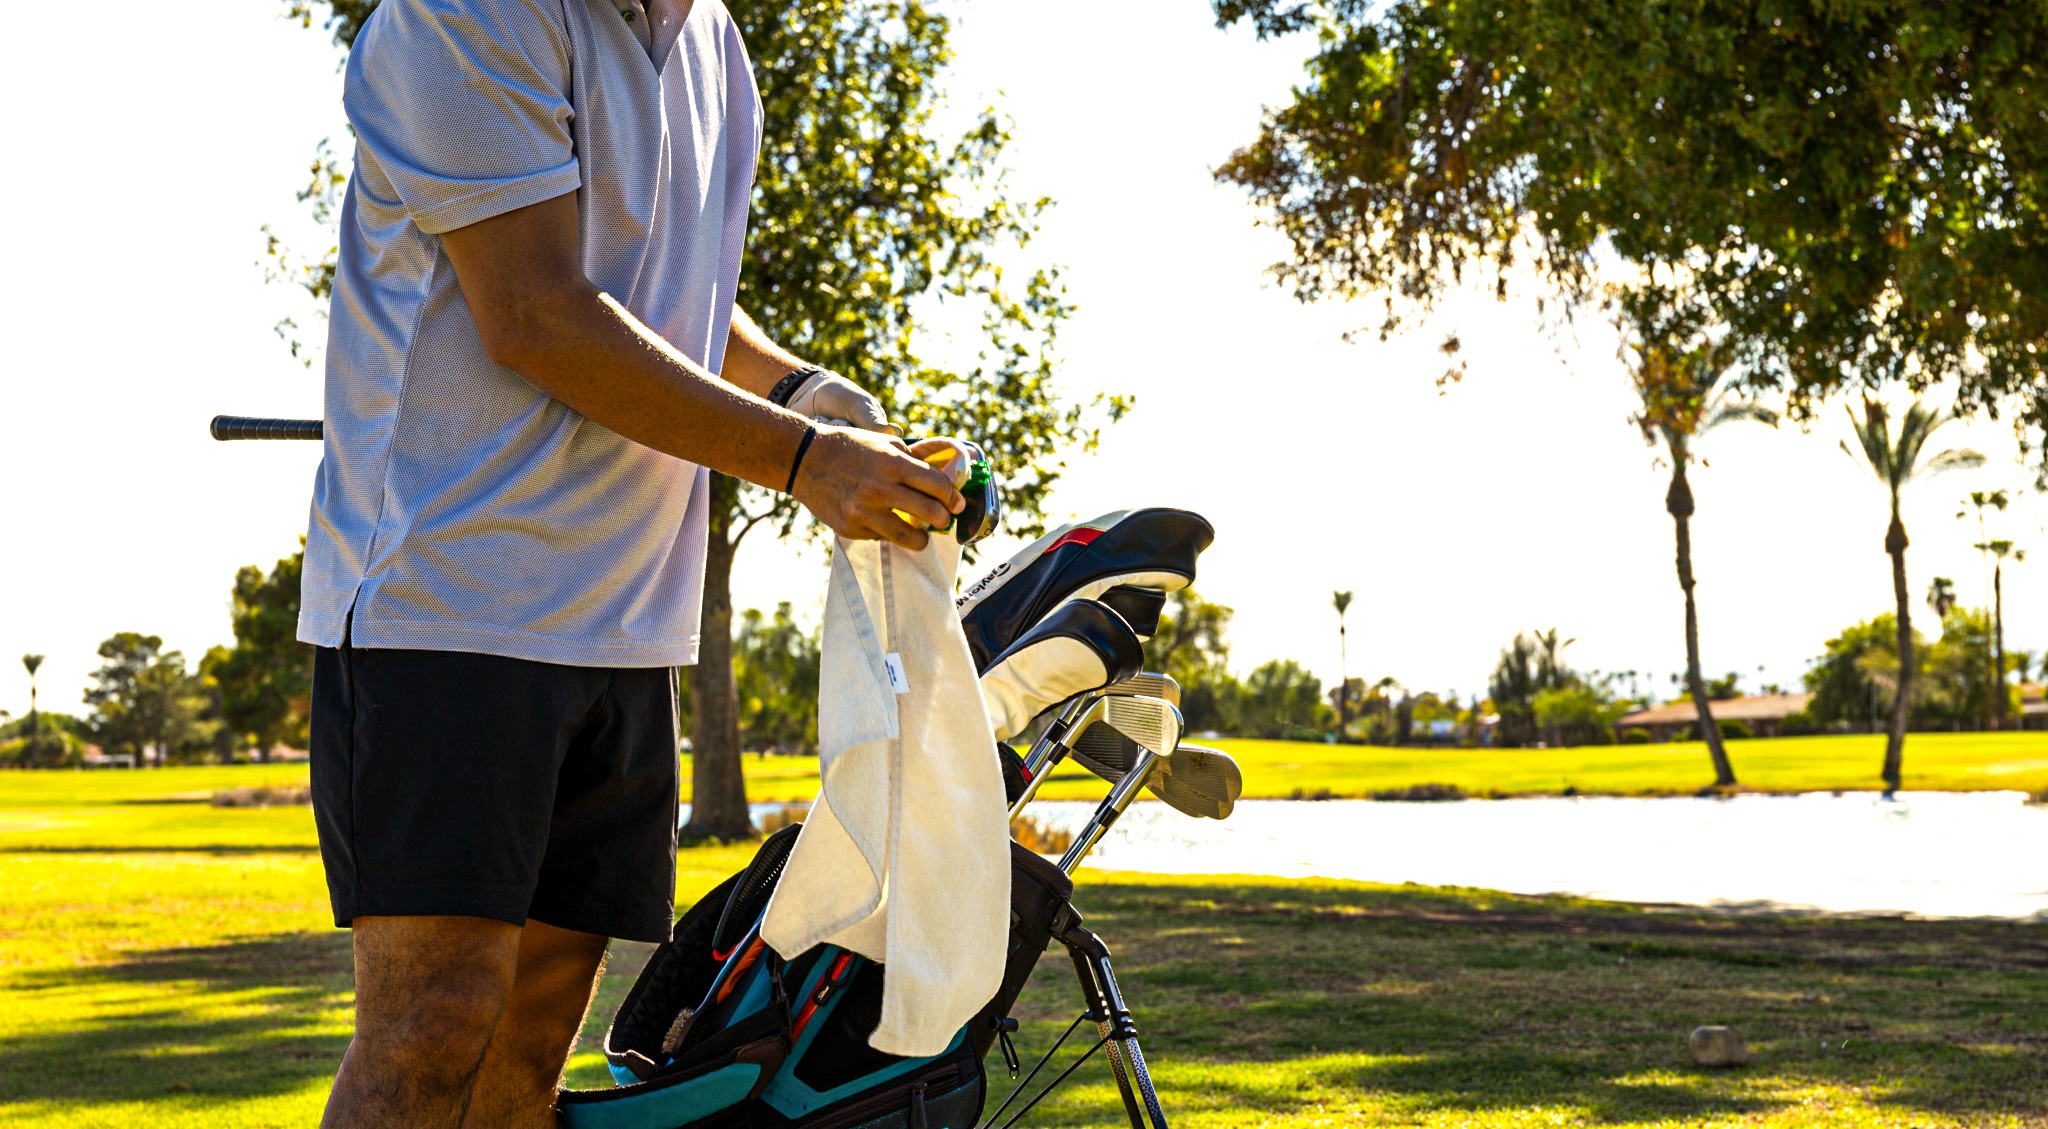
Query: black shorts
x=484 y=786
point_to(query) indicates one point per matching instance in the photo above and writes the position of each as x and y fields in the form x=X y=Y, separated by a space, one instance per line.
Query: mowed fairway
x=172 y=964
x=1937 y=762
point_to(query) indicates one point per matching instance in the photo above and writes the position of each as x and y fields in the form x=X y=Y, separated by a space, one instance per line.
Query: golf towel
x=904 y=857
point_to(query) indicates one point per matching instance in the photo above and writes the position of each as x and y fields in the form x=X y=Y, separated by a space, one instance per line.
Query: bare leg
x=429 y=991
x=523 y=1067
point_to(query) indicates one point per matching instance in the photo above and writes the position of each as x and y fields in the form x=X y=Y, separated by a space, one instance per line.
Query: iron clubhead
x=1153 y=723
x=1200 y=782
x=1209 y=774
x=1149 y=685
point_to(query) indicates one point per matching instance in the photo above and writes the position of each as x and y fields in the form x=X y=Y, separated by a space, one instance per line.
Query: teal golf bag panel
x=719 y=1032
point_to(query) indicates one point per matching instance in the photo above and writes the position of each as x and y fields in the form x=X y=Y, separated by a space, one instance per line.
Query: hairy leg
x=522 y=1069
x=429 y=991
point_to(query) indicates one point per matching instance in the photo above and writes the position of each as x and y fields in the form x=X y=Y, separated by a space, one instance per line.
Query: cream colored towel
x=905 y=856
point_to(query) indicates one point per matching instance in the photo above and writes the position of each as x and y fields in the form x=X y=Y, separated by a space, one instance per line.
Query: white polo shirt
x=457 y=507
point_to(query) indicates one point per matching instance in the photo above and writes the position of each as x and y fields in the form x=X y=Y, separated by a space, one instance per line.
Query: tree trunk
x=1895 y=737
x=1998 y=702
x=1678 y=503
x=718 y=790
x=1343 y=686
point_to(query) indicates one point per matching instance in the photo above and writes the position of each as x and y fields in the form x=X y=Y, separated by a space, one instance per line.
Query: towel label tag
x=898 y=681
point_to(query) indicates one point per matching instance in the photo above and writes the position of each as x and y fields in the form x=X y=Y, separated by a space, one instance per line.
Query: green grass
x=1940 y=762
x=1948 y=762
x=1322 y=1002
x=1944 y=762
x=173 y=964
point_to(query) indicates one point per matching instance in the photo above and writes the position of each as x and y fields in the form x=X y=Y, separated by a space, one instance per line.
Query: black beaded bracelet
x=786 y=387
x=803 y=445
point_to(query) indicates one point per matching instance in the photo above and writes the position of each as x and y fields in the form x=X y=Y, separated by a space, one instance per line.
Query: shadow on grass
x=1273 y=1000
x=237 y=1020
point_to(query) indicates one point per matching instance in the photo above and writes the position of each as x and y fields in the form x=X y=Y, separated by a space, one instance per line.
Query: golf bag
x=721 y=1033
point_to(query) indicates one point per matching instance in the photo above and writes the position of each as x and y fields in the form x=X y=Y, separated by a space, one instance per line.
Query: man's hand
x=854 y=480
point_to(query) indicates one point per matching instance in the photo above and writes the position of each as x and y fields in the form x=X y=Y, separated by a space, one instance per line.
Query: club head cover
x=1081 y=646
x=1150 y=548
x=1140 y=607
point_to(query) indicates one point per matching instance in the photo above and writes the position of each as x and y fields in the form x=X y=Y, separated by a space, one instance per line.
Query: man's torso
x=457 y=507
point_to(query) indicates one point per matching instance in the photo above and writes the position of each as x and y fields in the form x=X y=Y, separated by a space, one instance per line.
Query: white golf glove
x=828 y=395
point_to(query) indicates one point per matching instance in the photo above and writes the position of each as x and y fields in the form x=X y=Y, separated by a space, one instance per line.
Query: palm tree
x=1994 y=704
x=32 y=662
x=1384 y=690
x=1941 y=596
x=1342 y=602
x=1896 y=461
x=2000 y=550
x=1685 y=395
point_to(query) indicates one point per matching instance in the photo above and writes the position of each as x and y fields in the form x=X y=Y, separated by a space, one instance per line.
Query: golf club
x=1050 y=747
x=1193 y=780
x=1150 y=723
x=1210 y=774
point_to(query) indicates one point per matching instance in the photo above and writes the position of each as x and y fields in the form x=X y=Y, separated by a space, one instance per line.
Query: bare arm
x=757 y=364
x=540 y=317
x=751 y=360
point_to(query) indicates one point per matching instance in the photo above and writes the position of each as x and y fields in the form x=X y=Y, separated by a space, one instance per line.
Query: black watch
x=785 y=389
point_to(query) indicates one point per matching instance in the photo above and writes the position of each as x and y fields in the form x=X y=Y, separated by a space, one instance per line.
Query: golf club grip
x=225 y=428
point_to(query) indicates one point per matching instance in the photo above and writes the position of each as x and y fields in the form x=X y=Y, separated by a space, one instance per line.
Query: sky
x=1519 y=497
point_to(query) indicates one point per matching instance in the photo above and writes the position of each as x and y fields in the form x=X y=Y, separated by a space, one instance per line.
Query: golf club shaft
x=1048 y=750
x=1109 y=809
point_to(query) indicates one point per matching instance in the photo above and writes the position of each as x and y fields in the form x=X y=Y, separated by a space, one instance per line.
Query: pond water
x=1935 y=854
x=1931 y=854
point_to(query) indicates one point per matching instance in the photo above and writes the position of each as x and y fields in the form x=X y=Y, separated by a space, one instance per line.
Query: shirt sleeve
x=464 y=105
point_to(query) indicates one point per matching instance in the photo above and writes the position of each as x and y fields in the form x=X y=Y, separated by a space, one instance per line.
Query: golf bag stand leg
x=1113 y=1020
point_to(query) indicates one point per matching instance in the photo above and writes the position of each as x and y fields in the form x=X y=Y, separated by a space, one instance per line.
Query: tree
x=1193 y=639
x=775 y=665
x=1981 y=500
x=1192 y=646
x=1551 y=669
x=1852 y=190
x=266 y=679
x=1513 y=688
x=1856 y=680
x=143 y=698
x=32 y=663
x=1952 y=685
x=1386 y=729
x=2000 y=551
x=1527 y=667
x=1283 y=700
x=1342 y=602
x=1896 y=460
x=1941 y=596
x=2023 y=663
x=1842 y=679
x=1685 y=394
x=53 y=742
x=861 y=216
x=1582 y=713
